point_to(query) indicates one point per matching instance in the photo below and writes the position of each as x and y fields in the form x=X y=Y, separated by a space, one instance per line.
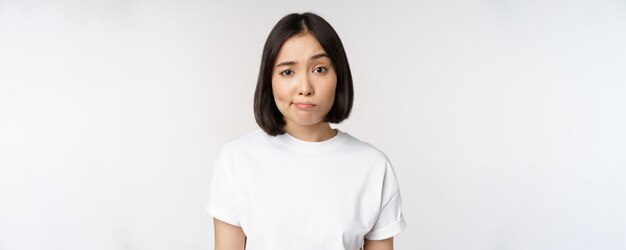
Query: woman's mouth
x=304 y=106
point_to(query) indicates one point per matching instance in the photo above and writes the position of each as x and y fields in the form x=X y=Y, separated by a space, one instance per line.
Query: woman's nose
x=305 y=87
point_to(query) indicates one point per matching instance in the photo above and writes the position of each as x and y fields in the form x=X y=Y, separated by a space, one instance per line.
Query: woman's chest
x=308 y=199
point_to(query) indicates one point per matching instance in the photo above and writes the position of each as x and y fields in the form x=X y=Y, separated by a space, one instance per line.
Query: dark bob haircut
x=266 y=113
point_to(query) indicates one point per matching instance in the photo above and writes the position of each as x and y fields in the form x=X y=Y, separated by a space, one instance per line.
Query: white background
x=504 y=119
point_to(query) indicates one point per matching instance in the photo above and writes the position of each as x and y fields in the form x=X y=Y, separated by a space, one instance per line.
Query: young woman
x=296 y=183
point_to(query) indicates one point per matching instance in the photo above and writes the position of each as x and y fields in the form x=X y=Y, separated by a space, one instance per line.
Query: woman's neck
x=313 y=133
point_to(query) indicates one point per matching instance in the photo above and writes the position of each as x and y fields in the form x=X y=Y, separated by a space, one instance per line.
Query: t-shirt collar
x=312 y=147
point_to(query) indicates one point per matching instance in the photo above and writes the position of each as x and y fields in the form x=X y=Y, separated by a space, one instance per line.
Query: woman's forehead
x=301 y=47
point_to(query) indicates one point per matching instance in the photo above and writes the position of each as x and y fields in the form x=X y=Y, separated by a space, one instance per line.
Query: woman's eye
x=286 y=72
x=320 y=69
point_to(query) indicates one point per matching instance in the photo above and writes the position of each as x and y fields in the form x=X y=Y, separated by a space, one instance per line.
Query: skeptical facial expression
x=303 y=81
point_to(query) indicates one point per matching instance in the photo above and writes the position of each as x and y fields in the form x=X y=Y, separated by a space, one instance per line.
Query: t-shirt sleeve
x=220 y=204
x=390 y=220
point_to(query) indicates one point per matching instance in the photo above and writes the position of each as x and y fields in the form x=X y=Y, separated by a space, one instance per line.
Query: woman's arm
x=228 y=237
x=386 y=244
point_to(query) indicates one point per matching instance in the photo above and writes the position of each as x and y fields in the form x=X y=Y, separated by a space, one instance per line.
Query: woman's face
x=303 y=81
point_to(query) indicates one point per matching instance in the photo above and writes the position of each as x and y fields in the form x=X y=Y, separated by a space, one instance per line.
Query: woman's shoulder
x=251 y=139
x=365 y=148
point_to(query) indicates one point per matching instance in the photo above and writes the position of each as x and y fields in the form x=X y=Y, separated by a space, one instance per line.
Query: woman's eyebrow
x=285 y=63
x=316 y=56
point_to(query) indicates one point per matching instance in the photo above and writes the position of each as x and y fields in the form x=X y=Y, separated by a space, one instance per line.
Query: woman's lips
x=304 y=106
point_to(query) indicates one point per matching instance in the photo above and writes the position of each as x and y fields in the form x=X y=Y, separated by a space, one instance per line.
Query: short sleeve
x=390 y=220
x=220 y=204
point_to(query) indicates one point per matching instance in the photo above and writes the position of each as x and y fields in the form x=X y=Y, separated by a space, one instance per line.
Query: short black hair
x=266 y=113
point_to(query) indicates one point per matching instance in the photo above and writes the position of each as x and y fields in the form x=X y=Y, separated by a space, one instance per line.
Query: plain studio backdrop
x=504 y=119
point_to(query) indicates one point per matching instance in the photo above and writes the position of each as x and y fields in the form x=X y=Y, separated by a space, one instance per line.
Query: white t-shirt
x=289 y=194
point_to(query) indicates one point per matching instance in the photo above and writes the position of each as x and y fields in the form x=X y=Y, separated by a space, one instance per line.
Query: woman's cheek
x=280 y=97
